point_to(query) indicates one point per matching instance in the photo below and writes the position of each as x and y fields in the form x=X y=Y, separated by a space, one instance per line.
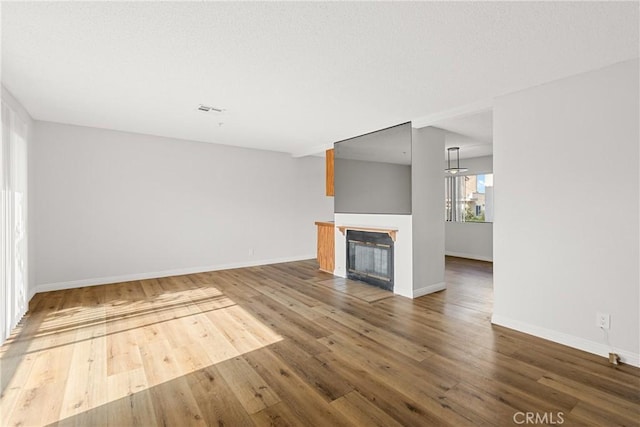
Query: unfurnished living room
x=320 y=214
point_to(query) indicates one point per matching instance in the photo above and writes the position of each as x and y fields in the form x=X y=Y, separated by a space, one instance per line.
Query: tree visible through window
x=469 y=198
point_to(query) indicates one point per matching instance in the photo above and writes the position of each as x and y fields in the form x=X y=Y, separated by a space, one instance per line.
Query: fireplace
x=370 y=258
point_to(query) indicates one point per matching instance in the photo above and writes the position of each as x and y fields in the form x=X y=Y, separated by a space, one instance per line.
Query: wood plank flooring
x=287 y=344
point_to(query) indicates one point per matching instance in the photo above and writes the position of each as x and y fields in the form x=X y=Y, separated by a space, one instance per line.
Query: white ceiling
x=473 y=133
x=293 y=77
x=469 y=148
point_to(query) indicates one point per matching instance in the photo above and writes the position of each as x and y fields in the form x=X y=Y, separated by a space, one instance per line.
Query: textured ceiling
x=293 y=76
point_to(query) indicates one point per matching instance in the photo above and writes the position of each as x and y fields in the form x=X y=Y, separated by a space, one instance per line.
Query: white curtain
x=13 y=221
x=454 y=198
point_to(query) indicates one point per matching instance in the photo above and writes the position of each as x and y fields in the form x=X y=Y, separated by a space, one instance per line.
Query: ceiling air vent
x=207 y=109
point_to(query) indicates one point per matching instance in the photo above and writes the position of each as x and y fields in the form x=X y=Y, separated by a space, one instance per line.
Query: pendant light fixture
x=457 y=169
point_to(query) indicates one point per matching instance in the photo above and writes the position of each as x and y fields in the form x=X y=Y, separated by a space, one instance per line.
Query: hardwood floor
x=287 y=344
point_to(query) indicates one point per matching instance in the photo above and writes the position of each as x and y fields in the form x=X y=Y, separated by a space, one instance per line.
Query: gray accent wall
x=372 y=187
x=372 y=172
x=428 y=208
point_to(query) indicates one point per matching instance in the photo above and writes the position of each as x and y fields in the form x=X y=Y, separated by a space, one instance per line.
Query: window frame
x=457 y=212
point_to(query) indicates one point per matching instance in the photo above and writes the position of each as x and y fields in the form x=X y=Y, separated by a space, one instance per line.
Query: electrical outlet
x=603 y=320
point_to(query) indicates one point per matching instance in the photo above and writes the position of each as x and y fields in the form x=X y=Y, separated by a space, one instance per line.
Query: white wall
x=470 y=239
x=566 y=235
x=31 y=223
x=114 y=206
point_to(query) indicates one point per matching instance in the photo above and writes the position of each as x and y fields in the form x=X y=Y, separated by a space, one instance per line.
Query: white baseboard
x=340 y=272
x=429 y=289
x=469 y=256
x=32 y=292
x=57 y=286
x=592 y=347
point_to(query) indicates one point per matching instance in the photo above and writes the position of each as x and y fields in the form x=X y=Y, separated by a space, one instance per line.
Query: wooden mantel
x=390 y=231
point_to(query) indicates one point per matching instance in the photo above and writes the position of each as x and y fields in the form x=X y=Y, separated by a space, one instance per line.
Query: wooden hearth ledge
x=390 y=231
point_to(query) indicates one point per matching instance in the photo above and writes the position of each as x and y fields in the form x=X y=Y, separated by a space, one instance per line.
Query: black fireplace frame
x=373 y=239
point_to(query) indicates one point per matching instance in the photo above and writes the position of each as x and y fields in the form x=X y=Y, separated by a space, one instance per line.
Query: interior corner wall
x=114 y=206
x=566 y=231
x=31 y=188
x=427 y=188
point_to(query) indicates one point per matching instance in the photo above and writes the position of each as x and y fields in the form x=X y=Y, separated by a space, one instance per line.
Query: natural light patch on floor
x=119 y=340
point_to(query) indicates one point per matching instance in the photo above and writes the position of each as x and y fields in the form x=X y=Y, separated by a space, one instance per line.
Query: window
x=469 y=198
x=13 y=221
